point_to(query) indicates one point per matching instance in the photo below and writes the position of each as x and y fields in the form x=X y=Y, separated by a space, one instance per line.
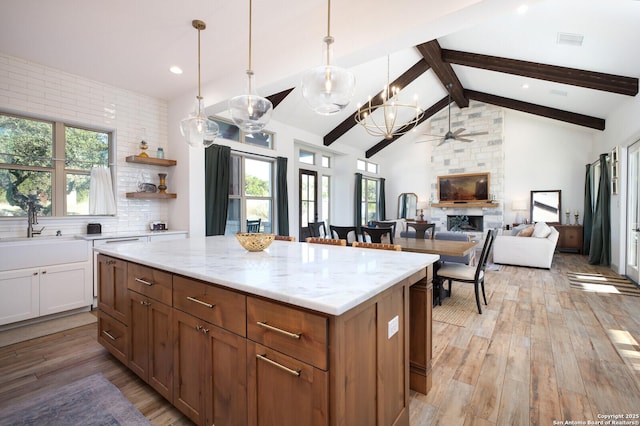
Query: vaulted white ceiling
x=132 y=43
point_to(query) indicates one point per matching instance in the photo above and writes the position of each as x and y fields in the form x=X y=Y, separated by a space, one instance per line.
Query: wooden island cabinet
x=224 y=353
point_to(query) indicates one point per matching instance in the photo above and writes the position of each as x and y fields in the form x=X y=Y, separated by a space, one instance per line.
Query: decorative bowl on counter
x=254 y=241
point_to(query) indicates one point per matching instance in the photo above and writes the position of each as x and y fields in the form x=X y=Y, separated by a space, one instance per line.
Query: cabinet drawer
x=294 y=332
x=151 y=282
x=113 y=335
x=224 y=308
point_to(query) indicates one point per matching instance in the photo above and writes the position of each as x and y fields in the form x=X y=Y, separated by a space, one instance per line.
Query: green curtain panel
x=600 y=252
x=217 y=165
x=588 y=212
x=282 y=196
x=357 y=203
x=382 y=205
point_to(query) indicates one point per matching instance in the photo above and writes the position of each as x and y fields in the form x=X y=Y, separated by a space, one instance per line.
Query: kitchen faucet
x=32 y=218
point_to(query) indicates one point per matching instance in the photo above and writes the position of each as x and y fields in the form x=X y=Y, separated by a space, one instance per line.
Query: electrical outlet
x=392 y=327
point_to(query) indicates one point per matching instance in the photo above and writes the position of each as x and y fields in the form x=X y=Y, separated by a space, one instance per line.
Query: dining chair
x=467 y=274
x=379 y=246
x=327 y=241
x=391 y=225
x=284 y=238
x=253 y=226
x=375 y=234
x=342 y=232
x=315 y=227
x=422 y=229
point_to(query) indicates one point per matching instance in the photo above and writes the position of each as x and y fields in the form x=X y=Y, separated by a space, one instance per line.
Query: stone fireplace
x=473 y=223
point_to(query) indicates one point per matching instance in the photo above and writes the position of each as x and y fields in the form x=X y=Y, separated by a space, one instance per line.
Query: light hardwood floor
x=540 y=352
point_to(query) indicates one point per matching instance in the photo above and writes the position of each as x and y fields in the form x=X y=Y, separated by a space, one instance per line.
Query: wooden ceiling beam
x=572 y=76
x=553 y=113
x=433 y=55
x=404 y=80
x=428 y=113
x=276 y=98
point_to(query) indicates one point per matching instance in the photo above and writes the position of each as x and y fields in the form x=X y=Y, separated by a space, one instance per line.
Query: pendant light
x=326 y=88
x=250 y=112
x=197 y=128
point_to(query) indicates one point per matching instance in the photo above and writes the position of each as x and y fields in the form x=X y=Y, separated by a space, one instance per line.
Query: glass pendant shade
x=250 y=112
x=198 y=129
x=328 y=89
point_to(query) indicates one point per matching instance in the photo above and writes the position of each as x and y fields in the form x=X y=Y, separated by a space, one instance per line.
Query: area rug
x=93 y=400
x=601 y=283
x=32 y=331
x=456 y=310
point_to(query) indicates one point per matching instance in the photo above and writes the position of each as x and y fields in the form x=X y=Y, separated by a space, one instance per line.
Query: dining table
x=441 y=247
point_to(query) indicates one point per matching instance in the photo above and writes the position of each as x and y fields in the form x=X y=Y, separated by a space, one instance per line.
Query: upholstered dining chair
x=467 y=274
x=375 y=234
x=456 y=236
x=379 y=246
x=284 y=238
x=342 y=232
x=253 y=226
x=327 y=241
x=316 y=227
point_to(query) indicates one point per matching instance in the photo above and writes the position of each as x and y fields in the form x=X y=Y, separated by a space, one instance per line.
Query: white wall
x=543 y=154
x=30 y=88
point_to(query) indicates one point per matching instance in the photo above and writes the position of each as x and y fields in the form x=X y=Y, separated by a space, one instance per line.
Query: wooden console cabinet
x=571 y=237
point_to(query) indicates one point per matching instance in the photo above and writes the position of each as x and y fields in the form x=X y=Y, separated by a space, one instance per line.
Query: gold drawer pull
x=193 y=299
x=145 y=303
x=280 y=366
x=279 y=330
x=140 y=280
x=109 y=335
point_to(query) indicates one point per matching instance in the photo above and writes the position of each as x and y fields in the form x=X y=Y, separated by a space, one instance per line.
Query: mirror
x=407 y=205
x=546 y=206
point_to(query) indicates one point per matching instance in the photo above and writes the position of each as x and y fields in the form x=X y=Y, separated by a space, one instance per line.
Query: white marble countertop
x=324 y=278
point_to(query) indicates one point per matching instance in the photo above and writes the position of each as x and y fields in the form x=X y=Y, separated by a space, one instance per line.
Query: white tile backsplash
x=33 y=89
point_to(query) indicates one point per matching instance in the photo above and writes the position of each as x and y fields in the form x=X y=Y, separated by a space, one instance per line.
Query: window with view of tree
x=250 y=194
x=369 y=199
x=48 y=163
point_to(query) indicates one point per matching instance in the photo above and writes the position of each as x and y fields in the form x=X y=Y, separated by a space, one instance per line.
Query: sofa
x=534 y=251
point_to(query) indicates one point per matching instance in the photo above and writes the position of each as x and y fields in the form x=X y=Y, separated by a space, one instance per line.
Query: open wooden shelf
x=151 y=160
x=465 y=205
x=150 y=195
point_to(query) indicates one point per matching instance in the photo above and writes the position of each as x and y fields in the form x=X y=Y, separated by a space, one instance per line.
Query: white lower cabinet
x=64 y=287
x=19 y=295
x=33 y=292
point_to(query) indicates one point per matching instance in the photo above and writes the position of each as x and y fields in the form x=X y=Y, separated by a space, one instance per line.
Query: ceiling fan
x=457 y=135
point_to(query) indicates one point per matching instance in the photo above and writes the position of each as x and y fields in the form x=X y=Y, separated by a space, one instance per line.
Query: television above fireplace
x=464 y=188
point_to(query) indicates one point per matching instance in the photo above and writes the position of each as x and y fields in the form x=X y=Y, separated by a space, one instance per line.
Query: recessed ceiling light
x=525 y=86
x=570 y=39
x=175 y=69
x=522 y=9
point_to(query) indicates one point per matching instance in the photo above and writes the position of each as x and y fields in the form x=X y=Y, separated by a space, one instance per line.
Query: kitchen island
x=296 y=334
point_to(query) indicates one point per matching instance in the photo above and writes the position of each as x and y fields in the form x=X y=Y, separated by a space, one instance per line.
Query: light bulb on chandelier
x=250 y=112
x=198 y=129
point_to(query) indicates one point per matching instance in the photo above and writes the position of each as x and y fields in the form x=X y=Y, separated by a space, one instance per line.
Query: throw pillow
x=541 y=230
x=526 y=232
x=519 y=228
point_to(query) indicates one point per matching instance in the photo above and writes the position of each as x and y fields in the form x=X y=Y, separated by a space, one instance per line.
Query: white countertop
x=328 y=279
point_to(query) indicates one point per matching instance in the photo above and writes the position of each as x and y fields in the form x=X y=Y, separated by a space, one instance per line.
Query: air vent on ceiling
x=570 y=39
